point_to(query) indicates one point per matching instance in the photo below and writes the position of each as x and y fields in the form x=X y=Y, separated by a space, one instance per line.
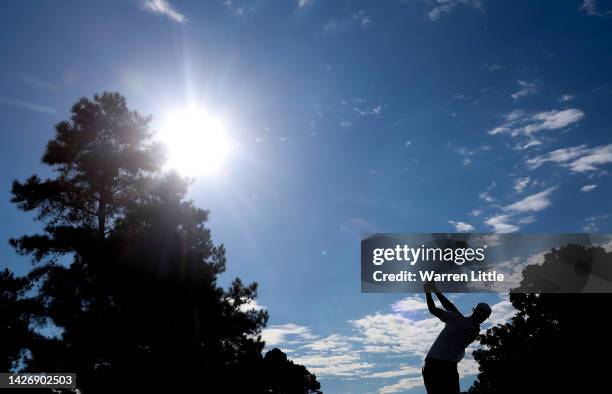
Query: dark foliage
x=138 y=305
x=555 y=342
x=15 y=308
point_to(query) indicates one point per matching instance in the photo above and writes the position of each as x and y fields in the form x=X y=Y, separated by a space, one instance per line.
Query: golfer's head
x=481 y=312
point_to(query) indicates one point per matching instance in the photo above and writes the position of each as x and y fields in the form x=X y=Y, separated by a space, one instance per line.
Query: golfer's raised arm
x=449 y=306
x=431 y=305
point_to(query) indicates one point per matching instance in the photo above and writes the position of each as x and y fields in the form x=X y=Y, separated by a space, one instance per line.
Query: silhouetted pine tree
x=137 y=305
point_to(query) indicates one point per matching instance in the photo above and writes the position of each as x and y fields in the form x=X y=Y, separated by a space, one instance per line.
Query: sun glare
x=196 y=143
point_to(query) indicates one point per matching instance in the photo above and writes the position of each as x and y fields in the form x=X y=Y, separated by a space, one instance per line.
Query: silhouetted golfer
x=440 y=370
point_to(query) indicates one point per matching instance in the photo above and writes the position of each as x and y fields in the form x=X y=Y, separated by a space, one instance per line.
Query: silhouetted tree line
x=555 y=343
x=125 y=273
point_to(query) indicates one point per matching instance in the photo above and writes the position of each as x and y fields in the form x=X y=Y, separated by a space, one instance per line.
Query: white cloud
x=402 y=386
x=345 y=123
x=475 y=212
x=343 y=356
x=485 y=196
x=578 y=158
x=286 y=333
x=403 y=370
x=553 y=120
x=526 y=89
x=347 y=364
x=529 y=144
x=240 y=8
x=363 y=19
x=591 y=224
x=560 y=156
x=514 y=115
x=461 y=227
x=376 y=110
x=533 y=203
x=442 y=7
x=590 y=7
x=250 y=305
x=566 y=97
x=501 y=224
x=162 y=7
x=409 y=304
x=333 y=343
x=517 y=123
x=521 y=183
x=501 y=312
x=303 y=3
x=588 y=188
x=596 y=157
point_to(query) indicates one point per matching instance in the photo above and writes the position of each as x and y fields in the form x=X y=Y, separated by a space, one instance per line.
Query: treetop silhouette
x=139 y=296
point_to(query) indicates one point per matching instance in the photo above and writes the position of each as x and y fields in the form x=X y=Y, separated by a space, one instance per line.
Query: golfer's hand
x=429 y=287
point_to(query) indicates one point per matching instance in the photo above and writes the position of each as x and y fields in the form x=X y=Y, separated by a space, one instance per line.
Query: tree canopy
x=555 y=342
x=126 y=271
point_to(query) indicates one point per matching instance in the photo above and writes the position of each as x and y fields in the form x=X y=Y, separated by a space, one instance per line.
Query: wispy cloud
x=588 y=188
x=348 y=355
x=512 y=215
x=442 y=7
x=501 y=224
x=242 y=8
x=461 y=227
x=521 y=183
x=402 y=370
x=37 y=83
x=590 y=8
x=526 y=89
x=533 y=203
x=565 y=98
x=163 y=7
x=486 y=197
x=286 y=333
x=494 y=67
x=578 y=158
x=591 y=224
x=363 y=19
x=303 y=3
x=409 y=304
x=43 y=109
x=373 y=111
x=402 y=386
x=518 y=123
x=342 y=365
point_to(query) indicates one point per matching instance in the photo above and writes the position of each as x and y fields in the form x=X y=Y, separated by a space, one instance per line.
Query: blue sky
x=351 y=117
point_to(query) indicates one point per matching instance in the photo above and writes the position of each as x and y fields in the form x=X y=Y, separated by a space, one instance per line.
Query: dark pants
x=441 y=377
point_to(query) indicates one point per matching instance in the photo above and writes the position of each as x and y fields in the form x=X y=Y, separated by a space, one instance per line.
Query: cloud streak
x=43 y=109
x=533 y=203
x=526 y=89
x=163 y=7
x=578 y=159
x=517 y=123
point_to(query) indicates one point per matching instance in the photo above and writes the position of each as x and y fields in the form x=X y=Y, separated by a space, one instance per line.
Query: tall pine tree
x=126 y=269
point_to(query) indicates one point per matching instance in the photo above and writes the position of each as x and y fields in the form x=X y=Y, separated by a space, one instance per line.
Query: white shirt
x=459 y=331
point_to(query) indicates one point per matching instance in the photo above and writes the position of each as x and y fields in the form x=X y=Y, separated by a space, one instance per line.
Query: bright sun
x=196 y=143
